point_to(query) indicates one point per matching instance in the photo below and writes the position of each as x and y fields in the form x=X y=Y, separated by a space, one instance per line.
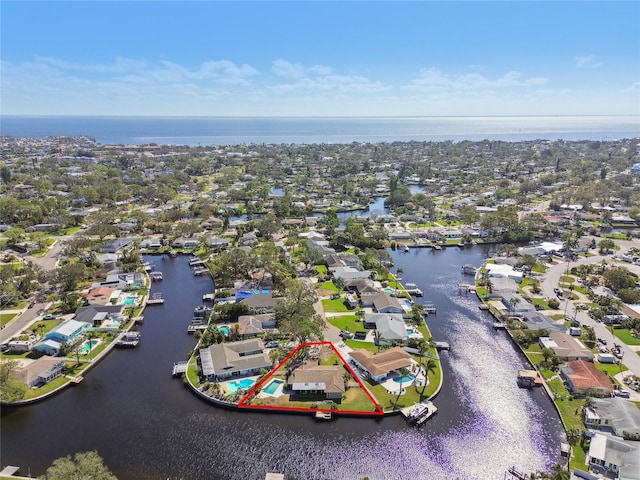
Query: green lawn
x=610 y=368
x=567 y=279
x=624 y=334
x=541 y=303
x=322 y=270
x=539 y=268
x=328 y=287
x=7 y=317
x=336 y=306
x=192 y=372
x=412 y=396
x=364 y=345
x=44 y=326
x=346 y=322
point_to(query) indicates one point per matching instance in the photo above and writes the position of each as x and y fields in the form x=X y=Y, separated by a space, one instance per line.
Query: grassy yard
x=346 y=322
x=541 y=303
x=327 y=288
x=539 y=268
x=624 y=334
x=336 y=306
x=44 y=326
x=7 y=317
x=322 y=270
x=610 y=368
x=412 y=396
x=364 y=345
x=192 y=372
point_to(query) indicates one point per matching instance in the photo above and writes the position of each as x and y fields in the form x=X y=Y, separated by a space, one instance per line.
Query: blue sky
x=331 y=58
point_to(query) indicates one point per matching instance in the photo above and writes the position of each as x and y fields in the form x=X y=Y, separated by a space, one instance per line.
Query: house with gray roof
x=390 y=327
x=234 y=359
x=615 y=415
x=318 y=380
x=385 y=303
x=614 y=457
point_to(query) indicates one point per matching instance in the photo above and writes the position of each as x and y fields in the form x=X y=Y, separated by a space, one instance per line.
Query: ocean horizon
x=204 y=131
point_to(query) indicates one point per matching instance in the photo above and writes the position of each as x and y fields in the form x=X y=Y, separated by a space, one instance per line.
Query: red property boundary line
x=378 y=409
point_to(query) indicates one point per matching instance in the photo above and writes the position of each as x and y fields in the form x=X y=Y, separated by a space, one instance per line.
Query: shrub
x=554 y=303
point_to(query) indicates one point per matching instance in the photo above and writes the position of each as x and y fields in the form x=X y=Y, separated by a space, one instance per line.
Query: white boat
x=406 y=248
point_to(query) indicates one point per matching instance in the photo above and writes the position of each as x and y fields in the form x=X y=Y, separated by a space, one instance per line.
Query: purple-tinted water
x=146 y=425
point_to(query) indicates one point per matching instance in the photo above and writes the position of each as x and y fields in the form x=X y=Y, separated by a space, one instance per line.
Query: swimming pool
x=236 y=385
x=388 y=290
x=273 y=386
x=404 y=379
x=89 y=345
x=129 y=300
x=224 y=329
x=408 y=303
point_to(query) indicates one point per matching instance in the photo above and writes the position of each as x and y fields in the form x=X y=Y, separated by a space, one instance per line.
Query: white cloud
x=588 y=61
x=286 y=69
x=434 y=80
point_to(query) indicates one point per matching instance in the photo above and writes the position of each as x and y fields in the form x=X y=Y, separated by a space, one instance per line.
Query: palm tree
x=514 y=301
x=429 y=366
x=399 y=272
x=403 y=371
x=485 y=279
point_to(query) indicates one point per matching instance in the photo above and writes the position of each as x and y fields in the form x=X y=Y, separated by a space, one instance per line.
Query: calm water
x=146 y=425
x=247 y=130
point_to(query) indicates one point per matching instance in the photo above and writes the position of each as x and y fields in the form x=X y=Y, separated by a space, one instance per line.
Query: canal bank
x=147 y=425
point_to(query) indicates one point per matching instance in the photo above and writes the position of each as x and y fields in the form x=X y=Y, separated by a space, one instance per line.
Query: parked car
x=49 y=316
x=345 y=334
x=602 y=340
x=273 y=344
x=621 y=393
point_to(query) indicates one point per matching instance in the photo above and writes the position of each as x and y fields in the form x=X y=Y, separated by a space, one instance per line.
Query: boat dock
x=419 y=413
x=484 y=306
x=195 y=261
x=412 y=289
x=466 y=288
x=429 y=307
x=200 y=271
x=155 y=299
x=208 y=297
x=194 y=328
x=155 y=276
x=499 y=326
x=129 y=340
x=442 y=346
x=179 y=368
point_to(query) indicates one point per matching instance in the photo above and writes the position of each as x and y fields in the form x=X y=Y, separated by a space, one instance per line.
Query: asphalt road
x=551 y=279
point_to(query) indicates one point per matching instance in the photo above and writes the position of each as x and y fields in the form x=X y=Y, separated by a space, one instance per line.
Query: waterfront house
x=385 y=303
x=121 y=280
x=101 y=295
x=40 y=371
x=515 y=303
x=349 y=273
x=390 y=327
x=255 y=325
x=311 y=379
x=566 y=347
x=614 y=457
x=379 y=365
x=96 y=315
x=67 y=331
x=615 y=415
x=115 y=245
x=234 y=359
x=186 y=243
x=583 y=378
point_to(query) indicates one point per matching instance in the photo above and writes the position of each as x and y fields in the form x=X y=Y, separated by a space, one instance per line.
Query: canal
x=147 y=425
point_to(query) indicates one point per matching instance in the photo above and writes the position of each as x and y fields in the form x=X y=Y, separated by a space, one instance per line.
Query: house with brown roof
x=318 y=380
x=583 y=378
x=254 y=325
x=234 y=359
x=100 y=295
x=379 y=365
x=566 y=347
x=260 y=302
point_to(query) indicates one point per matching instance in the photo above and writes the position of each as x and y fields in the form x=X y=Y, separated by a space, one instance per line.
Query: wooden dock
x=429 y=307
x=155 y=276
x=499 y=326
x=419 y=413
x=194 y=328
x=179 y=368
x=156 y=299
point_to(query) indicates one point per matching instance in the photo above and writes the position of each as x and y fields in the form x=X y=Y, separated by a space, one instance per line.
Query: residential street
x=550 y=280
